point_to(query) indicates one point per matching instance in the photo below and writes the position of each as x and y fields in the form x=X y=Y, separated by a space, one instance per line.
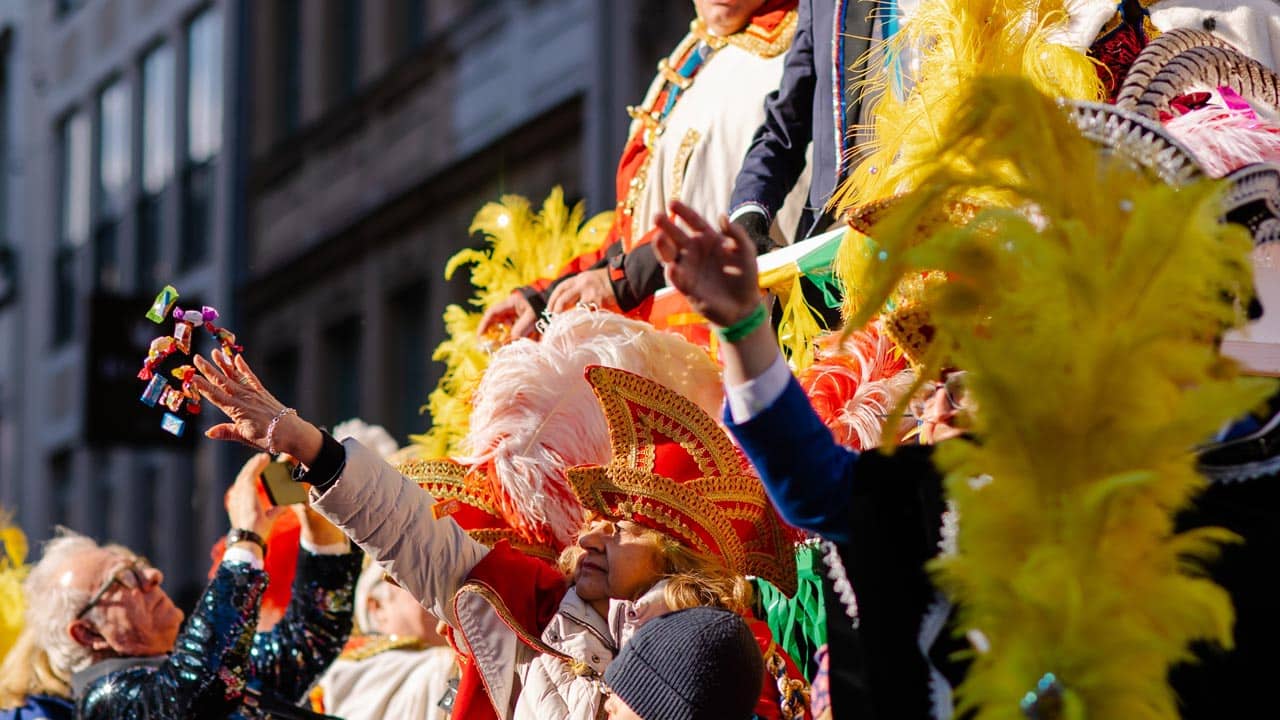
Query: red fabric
x=281 y=564
x=532 y=590
x=768 y=705
x=1115 y=53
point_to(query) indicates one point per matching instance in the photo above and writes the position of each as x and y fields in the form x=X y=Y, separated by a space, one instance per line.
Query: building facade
x=120 y=178
x=307 y=166
x=379 y=133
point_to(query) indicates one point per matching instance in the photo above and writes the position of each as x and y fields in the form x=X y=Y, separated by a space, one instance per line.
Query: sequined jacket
x=218 y=654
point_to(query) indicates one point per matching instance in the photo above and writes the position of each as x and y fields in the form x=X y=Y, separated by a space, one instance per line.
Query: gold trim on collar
x=766 y=44
x=376 y=645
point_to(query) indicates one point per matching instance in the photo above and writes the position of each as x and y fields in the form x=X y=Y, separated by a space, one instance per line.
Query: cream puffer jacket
x=552 y=689
x=391 y=518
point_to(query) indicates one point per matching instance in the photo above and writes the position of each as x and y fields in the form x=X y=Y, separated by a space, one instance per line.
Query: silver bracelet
x=271 y=429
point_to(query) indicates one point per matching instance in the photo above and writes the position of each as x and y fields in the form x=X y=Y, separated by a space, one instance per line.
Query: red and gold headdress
x=675 y=470
x=465 y=494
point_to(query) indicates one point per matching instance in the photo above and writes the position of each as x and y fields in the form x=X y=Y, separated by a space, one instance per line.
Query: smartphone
x=277 y=480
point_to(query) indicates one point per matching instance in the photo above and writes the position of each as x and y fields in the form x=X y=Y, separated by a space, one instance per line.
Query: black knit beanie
x=694 y=664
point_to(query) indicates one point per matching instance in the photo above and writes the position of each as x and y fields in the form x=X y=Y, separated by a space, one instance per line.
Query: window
x=103 y=500
x=148 y=481
x=280 y=372
x=345 y=30
x=289 y=66
x=115 y=168
x=415 y=25
x=342 y=348
x=204 y=89
x=408 y=25
x=157 y=119
x=60 y=481
x=73 y=221
x=409 y=360
x=204 y=133
x=157 y=163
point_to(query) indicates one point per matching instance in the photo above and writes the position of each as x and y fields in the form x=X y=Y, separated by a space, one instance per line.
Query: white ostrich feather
x=534 y=414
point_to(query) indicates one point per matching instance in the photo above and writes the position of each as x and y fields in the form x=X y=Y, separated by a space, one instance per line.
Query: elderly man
x=106 y=622
x=397 y=667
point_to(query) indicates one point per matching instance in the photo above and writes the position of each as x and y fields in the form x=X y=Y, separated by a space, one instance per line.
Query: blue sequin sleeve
x=289 y=658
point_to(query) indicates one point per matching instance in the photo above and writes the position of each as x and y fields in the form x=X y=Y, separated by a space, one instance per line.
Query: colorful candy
x=154 y=390
x=173 y=424
x=160 y=306
x=183 y=395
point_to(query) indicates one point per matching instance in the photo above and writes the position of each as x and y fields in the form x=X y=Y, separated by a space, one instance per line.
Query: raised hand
x=591 y=287
x=245 y=507
x=514 y=312
x=714 y=269
x=251 y=408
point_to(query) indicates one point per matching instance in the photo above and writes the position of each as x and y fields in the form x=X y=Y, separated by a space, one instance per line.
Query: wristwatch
x=241 y=535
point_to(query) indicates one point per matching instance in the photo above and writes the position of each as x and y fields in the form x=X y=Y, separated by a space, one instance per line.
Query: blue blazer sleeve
x=809 y=476
x=777 y=153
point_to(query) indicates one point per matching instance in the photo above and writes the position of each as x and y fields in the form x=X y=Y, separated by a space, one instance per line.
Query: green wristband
x=743 y=327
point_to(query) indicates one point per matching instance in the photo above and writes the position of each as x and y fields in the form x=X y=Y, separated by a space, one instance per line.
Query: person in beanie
x=698 y=663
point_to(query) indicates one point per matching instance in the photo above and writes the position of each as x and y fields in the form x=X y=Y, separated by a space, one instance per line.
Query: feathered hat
x=466 y=494
x=674 y=470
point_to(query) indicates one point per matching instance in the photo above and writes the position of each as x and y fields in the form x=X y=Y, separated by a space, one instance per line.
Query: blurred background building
x=307 y=166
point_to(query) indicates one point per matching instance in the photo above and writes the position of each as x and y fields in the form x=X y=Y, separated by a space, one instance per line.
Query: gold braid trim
x=753 y=39
x=378 y=644
x=681 y=164
x=495 y=601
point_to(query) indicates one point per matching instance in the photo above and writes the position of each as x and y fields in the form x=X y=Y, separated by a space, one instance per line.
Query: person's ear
x=86 y=635
x=376 y=612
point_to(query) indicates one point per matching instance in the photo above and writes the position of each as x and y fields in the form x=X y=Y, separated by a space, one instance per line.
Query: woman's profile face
x=620 y=561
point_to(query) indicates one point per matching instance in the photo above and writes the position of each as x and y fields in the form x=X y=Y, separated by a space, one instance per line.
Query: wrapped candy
x=161 y=348
x=154 y=390
x=185 y=374
x=225 y=337
x=171 y=398
x=182 y=332
x=160 y=306
x=173 y=424
x=183 y=395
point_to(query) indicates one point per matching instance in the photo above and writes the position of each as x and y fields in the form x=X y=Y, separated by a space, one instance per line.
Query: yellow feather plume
x=521 y=247
x=13 y=556
x=1084 y=308
x=954 y=41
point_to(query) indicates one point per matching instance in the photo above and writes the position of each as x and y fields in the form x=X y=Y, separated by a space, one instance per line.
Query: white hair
x=52 y=606
x=374 y=437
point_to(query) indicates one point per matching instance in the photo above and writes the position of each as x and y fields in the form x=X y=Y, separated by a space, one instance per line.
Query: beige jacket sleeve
x=390 y=518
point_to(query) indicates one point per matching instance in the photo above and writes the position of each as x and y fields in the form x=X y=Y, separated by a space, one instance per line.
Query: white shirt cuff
x=338 y=548
x=750 y=398
x=748 y=207
x=240 y=555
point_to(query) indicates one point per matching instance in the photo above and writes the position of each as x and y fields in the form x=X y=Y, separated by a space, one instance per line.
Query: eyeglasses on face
x=131 y=576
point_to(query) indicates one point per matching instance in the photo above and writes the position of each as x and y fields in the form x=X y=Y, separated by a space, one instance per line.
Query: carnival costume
x=218 y=661
x=686 y=142
x=381 y=676
x=509 y=609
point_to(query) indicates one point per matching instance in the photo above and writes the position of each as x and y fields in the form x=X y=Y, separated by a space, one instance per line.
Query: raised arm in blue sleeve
x=807 y=474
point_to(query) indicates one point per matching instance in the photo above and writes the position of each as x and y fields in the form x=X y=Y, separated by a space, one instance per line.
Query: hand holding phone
x=277 y=480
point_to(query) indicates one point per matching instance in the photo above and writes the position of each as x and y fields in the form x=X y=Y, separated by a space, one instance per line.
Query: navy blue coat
x=812 y=104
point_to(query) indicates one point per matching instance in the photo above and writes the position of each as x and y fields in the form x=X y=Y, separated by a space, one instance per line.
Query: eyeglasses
x=131 y=577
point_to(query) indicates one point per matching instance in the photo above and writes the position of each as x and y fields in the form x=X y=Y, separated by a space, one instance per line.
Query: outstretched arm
x=807 y=474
